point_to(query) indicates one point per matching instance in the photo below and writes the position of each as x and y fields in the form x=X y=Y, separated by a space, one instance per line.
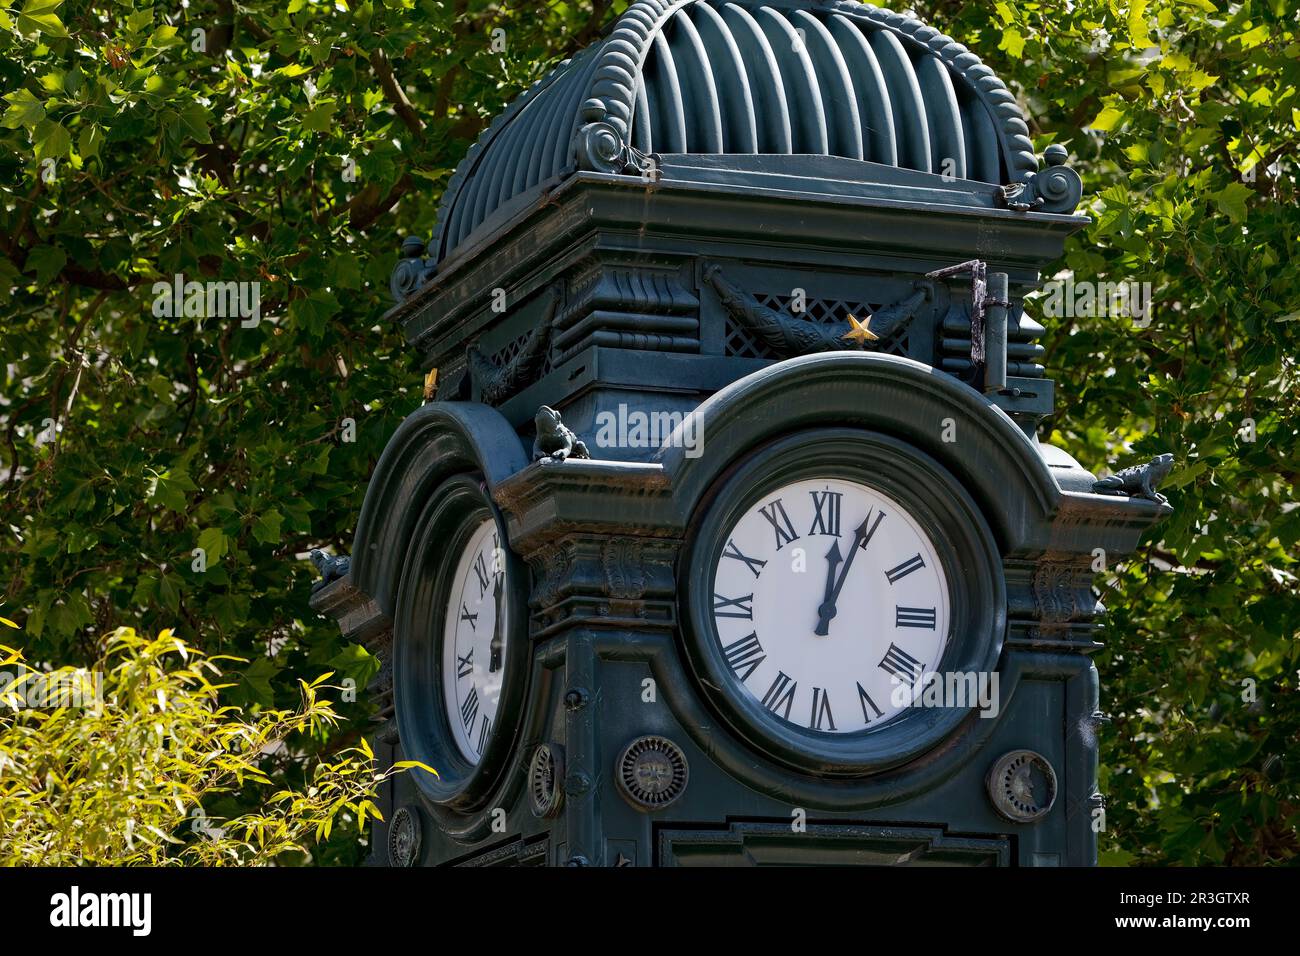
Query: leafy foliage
x=281 y=144
x=133 y=153
x=120 y=764
x=1183 y=117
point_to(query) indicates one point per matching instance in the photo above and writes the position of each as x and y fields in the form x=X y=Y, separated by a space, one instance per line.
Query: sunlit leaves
x=24 y=109
x=132 y=761
x=1181 y=118
x=40 y=16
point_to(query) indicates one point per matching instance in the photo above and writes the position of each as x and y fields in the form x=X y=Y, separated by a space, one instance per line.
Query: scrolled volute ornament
x=601 y=145
x=601 y=148
x=412 y=271
x=1058 y=187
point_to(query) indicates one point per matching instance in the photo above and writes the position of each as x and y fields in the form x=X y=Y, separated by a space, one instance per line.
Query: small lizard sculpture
x=331 y=568
x=1138 y=481
x=555 y=440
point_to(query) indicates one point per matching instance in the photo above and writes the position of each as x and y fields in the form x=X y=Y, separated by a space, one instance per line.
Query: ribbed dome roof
x=736 y=77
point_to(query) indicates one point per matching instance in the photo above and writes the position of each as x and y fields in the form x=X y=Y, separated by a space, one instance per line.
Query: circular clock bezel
x=961 y=539
x=456 y=510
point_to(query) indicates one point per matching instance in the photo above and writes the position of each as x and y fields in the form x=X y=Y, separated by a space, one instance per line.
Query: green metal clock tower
x=727 y=537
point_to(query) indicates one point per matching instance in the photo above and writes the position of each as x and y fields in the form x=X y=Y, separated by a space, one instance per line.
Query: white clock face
x=474 y=645
x=829 y=602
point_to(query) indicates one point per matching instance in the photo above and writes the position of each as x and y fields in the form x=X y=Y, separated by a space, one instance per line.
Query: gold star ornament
x=860 y=333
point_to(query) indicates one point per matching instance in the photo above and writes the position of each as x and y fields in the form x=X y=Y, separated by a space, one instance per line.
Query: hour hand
x=827 y=608
x=494 y=660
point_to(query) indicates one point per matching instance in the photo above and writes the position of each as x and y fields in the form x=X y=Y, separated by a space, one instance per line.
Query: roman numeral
x=484 y=730
x=901 y=664
x=780 y=522
x=865 y=700
x=914 y=617
x=466 y=616
x=827 y=518
x=469 y=709
x=866 y=539
x=481 y=569
x=744 y=606
x=747 y=653
x=755 y=565
x=781 y=692
x=913 y=563
x=466 y=665
x=821 y=710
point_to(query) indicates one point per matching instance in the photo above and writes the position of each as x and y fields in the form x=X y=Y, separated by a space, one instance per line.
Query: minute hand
x=860 y=538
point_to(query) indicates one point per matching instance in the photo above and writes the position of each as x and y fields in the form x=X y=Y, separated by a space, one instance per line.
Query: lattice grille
x=507 y=353
x=740 y=343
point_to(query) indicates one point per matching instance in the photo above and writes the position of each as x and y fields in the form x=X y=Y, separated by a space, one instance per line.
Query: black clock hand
x=494 y=661
x=860 y=538
x=833 y=559
x=827 y=610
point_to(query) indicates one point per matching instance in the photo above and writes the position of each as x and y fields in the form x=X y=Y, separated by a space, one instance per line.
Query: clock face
x=474 y=644
x=829 y=602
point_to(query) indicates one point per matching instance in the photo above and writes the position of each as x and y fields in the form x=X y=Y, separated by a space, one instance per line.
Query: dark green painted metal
x=750 y=77
x=605 y=261
x=444 y=523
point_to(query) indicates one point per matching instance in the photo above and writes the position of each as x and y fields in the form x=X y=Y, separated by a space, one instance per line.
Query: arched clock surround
x=455 y=509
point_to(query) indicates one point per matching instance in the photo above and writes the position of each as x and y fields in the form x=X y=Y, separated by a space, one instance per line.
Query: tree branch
x=393 y=91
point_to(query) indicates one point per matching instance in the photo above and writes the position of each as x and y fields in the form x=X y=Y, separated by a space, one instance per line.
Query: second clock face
x=829 y=602
x=474 y=645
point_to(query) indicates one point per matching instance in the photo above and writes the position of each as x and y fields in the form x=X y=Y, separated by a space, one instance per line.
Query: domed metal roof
x=746 y=78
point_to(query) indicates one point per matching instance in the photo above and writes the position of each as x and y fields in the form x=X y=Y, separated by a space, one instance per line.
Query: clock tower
x=725 y=536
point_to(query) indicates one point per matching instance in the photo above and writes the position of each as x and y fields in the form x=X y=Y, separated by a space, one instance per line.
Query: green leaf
x=137 y=21
x=47 y=262
x=1231 y=200
x=24 y=109
x=1107 y=119
x=1253 y=38
x=311 y=312
x=51 y=140
x=37 y=16
x=214 y=542
x=196 y=122
x=1137 y=24
x=266 y=529
x=164 y=37
x=169 y=488
x=169 y=592
x=356 y=662
x=1012 y=41
x=320 y=117
x=414 y=764
x=345 y=271
x=256 y=680
x=90 y=141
